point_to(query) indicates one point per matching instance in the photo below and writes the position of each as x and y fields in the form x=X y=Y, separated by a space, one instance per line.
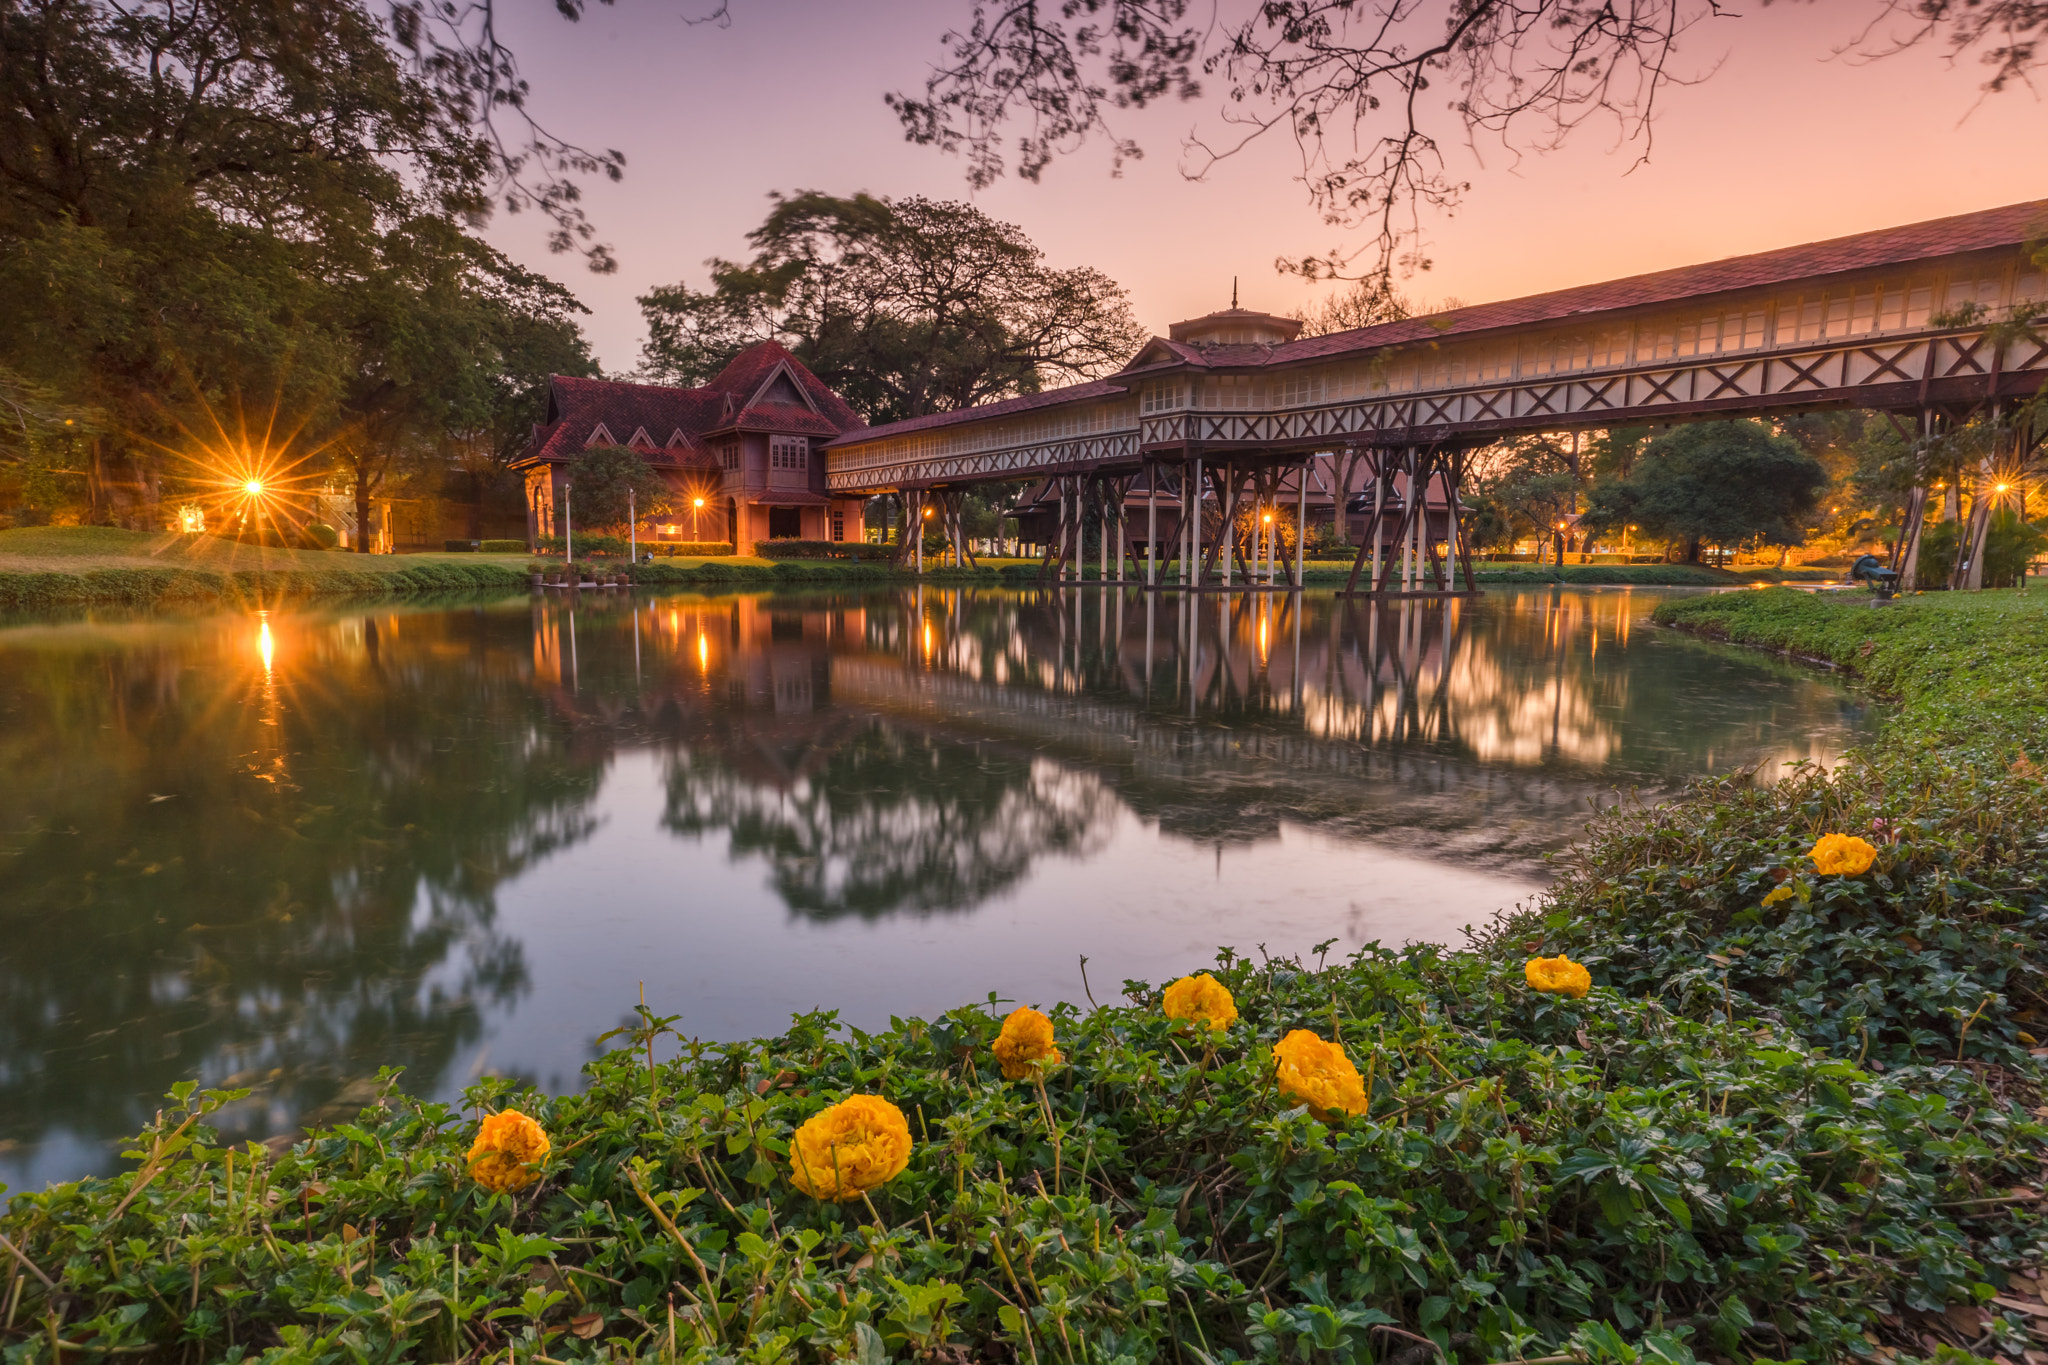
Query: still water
x=283 y=849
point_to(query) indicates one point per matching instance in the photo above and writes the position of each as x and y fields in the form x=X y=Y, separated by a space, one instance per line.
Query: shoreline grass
x=45 y=567
x=1808 y=1126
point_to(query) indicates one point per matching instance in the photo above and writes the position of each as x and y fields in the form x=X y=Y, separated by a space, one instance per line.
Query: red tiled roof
x=785 y=417
x=1094 y=388
x=1999 y=227
x=2007 y=226
x=678 y=420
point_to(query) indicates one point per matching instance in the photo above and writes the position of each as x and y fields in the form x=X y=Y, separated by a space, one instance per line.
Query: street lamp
x=696 y=532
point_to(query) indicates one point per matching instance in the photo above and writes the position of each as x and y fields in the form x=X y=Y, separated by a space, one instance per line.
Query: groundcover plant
x=1756 y=1126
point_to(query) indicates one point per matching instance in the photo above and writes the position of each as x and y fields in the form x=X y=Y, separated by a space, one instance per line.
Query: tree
x=600 y=481
x=1715 y=483
x=905 y=307
x=1366 y=89
x=1367 y=303
x=222 y=218
x=1536 y=481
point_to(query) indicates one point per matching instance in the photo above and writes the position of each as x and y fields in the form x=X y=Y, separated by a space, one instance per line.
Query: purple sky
x=1784 y=144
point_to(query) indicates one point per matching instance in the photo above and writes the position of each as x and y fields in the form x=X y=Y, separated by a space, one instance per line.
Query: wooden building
x=748 y=445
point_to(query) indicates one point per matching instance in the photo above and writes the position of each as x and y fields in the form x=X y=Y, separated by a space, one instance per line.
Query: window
x=838 y=524
x=1160 y=398
x=789 y=452
x=729 y=454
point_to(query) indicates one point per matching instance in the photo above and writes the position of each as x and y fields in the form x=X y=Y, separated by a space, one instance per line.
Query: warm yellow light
x=254 y=488
x=1269 y=516
x=698 y=503
x=703 y=653
x=927 y=511
x=264 y=645
x=927 y=630
x=2003 y=487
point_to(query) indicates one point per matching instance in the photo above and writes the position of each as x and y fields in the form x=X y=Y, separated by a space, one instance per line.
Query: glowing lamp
x=698 y=503
x=927 y=512
x=254 y=488
x=2003 y=487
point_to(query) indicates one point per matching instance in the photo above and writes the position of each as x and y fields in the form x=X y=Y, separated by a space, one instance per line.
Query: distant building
x=748 y=443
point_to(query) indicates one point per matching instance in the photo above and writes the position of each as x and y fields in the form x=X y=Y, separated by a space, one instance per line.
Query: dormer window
x=789 y=452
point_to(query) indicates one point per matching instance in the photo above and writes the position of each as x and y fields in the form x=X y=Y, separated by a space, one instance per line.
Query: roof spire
x=1233 y=291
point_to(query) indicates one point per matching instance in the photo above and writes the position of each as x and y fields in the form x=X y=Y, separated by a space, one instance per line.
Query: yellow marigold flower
x=508 y=1151
x=1319 y=1074
x=1842 y=855
x=859 y=1143
x=1779 y=896
x=1203 y=999
x=1558 y=975
x=1025 y=1042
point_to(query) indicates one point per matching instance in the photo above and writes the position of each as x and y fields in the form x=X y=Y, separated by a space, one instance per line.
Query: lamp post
x=696 y=532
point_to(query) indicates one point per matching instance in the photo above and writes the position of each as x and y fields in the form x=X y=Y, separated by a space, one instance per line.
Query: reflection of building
x=746 y=443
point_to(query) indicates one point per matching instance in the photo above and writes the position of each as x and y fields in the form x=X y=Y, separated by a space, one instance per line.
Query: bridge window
x=1228 y=391
x=2029 y=287
x=1162 y=398
x=1905 y=304
x=1291 y=391
x=1981 y=289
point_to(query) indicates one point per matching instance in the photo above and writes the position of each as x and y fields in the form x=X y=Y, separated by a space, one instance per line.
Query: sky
x=1783 y=142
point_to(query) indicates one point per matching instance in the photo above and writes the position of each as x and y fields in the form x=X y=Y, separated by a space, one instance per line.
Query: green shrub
x=323 y=535
x=693 y=549
x=502 y=547
x=1538 y=1176
x=582 y=544
x=858 y=550
x=1939 y=950
x=461 y=547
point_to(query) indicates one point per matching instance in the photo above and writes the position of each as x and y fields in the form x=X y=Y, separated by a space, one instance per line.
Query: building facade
x=742 y=454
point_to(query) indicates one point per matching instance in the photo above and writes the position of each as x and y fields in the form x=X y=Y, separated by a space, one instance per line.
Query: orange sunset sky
x=1784 y=142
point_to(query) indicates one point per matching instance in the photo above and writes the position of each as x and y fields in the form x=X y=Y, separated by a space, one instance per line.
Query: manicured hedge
x=824 y=549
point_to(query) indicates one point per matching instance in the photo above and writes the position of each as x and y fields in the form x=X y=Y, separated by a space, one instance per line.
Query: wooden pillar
x=1151 y=545
x=1301 y=554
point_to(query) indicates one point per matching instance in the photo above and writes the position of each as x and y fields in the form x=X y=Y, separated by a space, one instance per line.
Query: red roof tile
x=1990 y=228
x=1073 y=393
x=678 y=420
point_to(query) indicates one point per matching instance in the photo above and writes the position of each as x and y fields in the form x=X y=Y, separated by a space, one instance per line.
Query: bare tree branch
x=1368 y=90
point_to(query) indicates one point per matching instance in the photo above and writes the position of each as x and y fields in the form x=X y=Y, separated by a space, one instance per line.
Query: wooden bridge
x=1930 y=323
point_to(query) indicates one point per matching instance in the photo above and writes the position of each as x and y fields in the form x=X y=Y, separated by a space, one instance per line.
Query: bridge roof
x=1983 y=230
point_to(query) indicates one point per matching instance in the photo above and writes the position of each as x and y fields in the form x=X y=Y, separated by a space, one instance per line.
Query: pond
x=283 y=849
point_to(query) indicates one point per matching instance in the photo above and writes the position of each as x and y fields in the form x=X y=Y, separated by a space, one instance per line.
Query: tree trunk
x=1692 y=549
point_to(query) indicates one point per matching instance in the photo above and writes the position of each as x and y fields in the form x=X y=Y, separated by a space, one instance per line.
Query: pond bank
x=1753 y=1138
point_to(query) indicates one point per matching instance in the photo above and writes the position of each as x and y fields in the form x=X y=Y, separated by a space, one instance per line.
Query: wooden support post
x=1151 y=542
x=1301 y=554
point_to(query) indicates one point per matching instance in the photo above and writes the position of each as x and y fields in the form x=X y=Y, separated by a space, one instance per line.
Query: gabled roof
x=586 y=411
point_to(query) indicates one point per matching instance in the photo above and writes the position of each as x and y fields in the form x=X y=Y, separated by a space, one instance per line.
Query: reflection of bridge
x=1015 y=724
x=1355 y=723
x=1903 y=321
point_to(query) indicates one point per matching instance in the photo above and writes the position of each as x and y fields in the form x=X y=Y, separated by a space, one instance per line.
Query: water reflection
x=287 y=849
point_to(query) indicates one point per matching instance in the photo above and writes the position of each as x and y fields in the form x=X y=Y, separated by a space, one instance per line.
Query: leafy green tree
x=599 y=484
x=905 y=307
x=228 y=222
x=1533 y=481
x=1719 y=483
